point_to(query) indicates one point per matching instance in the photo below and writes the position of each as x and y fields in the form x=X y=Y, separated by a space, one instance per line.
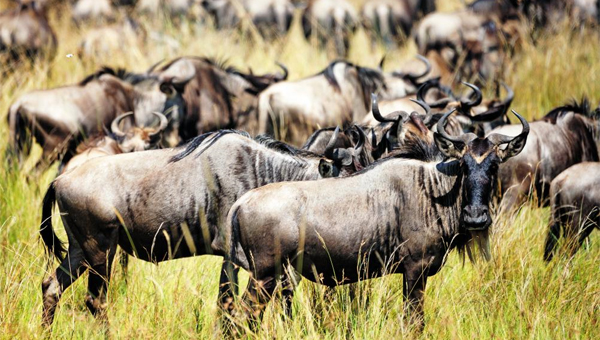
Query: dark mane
x=582 y=107
x=259 y=83
x=130 y=77
x=264 y=140
x=416 y=149
x=97 y=74
x=311 y=140
x=221 y=64
x=370 y=80
x=197 y=141
x=282 y=147
x=419 y=149
x=330 y=76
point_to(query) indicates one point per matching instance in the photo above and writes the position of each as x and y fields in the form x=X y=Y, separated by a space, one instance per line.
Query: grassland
x=515 y=295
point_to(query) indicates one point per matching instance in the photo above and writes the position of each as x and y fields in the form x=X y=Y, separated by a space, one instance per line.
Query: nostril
x=475 y=212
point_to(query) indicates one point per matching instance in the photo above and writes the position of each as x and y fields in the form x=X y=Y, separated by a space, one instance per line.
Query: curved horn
x=427 y=116
x=376 y=113
x=467 y=105
x=285 y=71
x=361 y=140
x=510 y=95
x=422 y=104
x=441 y=128
x=331 y=144
x=163 y=124
x=425 y=87
x=382 y=61
x=114 y=127
x=427 y=68
x=151 y=69
x=496 y=111
x=498 y=139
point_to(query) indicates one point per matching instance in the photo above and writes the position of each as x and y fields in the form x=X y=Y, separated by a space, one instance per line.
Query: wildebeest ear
x=513 y=148
x=449 y=148
x=326 y=169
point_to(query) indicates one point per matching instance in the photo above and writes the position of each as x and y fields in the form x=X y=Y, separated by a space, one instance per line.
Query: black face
x=480 y=167
x=479 y=159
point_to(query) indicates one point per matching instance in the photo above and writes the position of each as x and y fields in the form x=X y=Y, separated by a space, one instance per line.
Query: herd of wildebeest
x=395 y=169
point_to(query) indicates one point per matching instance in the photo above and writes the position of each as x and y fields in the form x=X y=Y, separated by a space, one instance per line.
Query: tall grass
x=515 y=295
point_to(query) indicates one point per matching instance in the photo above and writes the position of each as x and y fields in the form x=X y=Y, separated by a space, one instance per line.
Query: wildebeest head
x=479 y=160
x=473 y=110
x=138 y=138
x=349 y=138
x=342 y=160
x=397 y=127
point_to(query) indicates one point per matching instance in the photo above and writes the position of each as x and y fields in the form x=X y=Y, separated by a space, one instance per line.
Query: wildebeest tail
x=16 y=132
x=226 y=242
x=51 y=241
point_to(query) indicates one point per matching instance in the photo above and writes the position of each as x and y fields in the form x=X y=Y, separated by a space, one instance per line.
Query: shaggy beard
x=480 y=239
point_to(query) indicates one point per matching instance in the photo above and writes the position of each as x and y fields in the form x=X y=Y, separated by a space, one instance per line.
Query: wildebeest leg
x=100 y=258
x=228 y=286
x=551 y=240
x=258 y=294
x=287 y=294
x=124 y=262
x=415 y=280
x=581 y=236
x=53 y=286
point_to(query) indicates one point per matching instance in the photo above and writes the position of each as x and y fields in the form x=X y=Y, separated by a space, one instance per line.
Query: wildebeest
x=93 y=10
x=25 y=31
x=103 y=41
x=135 y=201
x=476 y=114
x=217 y=97
x=331 y=21
x=59 y=118
x=338 y=95
x=562 y=138
x=398 y=216
x=389 y=20
x=586 y=11
x=119 y=141
x=462 y=39
x=170 y=7
x=390 y=133
x=349 y=139
x=392 y=20
x=575 y=196
x=269 y=16
x=550 y=13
